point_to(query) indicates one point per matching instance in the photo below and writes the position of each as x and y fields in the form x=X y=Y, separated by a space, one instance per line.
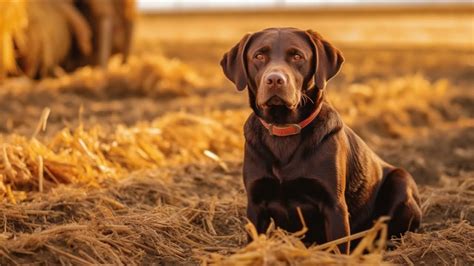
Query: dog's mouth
x=276 y=101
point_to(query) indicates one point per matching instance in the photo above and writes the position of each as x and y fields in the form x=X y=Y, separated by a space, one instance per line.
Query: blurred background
x=38 y=36
x=248 y=4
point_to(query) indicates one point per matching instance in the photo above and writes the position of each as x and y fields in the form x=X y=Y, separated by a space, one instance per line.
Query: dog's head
x=285 y=70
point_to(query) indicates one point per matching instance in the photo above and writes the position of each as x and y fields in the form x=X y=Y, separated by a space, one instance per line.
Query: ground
x=148 y=168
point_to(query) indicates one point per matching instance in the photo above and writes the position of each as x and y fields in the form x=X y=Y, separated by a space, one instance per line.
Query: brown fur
x=339 y=183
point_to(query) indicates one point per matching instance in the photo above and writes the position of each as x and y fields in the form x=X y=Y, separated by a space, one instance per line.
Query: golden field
x=142 y=162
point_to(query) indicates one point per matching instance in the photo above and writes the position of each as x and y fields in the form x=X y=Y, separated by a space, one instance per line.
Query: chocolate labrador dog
x=299 y=153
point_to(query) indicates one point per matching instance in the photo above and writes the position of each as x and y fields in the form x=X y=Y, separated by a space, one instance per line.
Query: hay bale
x=12 y=21
x=111 y=22
x=37 y=37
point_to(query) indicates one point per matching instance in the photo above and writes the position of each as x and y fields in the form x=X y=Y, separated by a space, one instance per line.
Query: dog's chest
x=283 y=149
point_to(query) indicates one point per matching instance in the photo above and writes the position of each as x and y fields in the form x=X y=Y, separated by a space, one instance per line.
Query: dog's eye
x=297 y=57
x=260 y=57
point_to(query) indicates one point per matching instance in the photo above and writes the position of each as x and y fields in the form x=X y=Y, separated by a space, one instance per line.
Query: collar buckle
x=296 y=127
x=287 y=130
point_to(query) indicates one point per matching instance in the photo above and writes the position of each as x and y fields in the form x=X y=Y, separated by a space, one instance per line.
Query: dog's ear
x=328 y=59
x=234 y=63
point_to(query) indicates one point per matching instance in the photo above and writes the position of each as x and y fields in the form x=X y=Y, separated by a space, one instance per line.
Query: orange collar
x=290 y=129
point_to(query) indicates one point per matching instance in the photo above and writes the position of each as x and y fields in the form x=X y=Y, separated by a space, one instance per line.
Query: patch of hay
x=398 y=107
x=168 y=216
x=92 y=156
x=447 y=232
x=453 y=245
x=277 y=247
x=134 y=221
x=151 y=76
x=454 y=201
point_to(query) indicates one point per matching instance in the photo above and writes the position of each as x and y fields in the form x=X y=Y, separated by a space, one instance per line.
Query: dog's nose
x=275 y=80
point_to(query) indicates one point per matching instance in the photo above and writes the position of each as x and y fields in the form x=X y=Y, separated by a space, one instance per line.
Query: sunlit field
x=142 y=162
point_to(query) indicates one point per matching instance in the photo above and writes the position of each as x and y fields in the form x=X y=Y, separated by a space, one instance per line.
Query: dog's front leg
x=259 y=217
x=337 y=224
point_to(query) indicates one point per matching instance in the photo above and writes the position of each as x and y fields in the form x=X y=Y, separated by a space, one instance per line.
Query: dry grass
x=151 y=75
x=116 y=225
x=277 y=247
x=449 y=240
x=151 y=216
x=392 y=107
x=91 y=156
